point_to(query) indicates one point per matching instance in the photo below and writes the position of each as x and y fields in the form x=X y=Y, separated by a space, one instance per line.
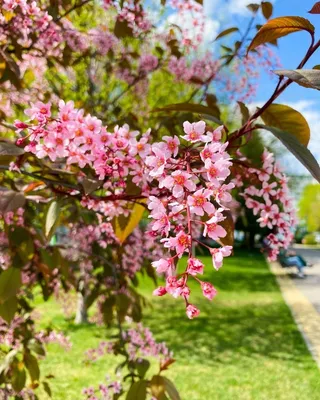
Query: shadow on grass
x=224 y=332
x=248 y=318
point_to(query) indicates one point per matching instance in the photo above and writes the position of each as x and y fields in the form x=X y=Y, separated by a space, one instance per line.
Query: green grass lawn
x=244 y=346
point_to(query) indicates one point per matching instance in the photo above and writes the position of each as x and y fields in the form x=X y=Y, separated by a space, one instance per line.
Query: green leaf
x=37 y=347
x=244 y=111
x=157 y=386
x=107 y=309
x=171 y=389
x=12 y=71
x=90 y=185
x=32 y=366
x=10 y=200
x=309 y=78
x=21 y=243
x=122 y=29
x=316 y=67
x=227 y=32
x=10 y=283
x=138 y=390
x=253 y=7
x=267 y=9
x=142 y=366
x=47 y=388
x=124 y=225
x=10 y=358
x=206 y=112
x=123 y=304
x=315 y=9
x=8 y=309
x=19 y=378
x=92 y=296
x=10 y=149
x=28 y=77
x=212 y=101
x=289 y=120
x=296 y=148
x=279 y=27
x=51 y=219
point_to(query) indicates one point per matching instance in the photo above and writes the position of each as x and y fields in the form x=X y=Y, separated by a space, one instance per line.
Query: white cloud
x=225 y=7
x=211 y=27
x=210 y=6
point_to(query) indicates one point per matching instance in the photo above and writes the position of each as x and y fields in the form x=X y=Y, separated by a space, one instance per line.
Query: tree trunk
x=82 y=311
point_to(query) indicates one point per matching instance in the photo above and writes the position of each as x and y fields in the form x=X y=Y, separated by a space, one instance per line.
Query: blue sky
x=292 y=49
x=222 y=14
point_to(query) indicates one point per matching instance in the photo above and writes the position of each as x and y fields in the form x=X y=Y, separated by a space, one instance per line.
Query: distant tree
x=309 y=209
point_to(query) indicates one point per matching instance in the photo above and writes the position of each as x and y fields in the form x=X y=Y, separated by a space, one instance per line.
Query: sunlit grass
x=243 y=346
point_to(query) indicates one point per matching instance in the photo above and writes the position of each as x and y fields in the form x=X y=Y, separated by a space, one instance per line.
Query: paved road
x=310 y=286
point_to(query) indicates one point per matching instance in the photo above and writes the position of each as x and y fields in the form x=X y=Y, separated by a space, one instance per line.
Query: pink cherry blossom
x=180 y=243
x=140 y=147
x=177 y=181
x=162 y=265
x=208 y=290
x=156 y=206
x=192 y=311
x=174 y=286
x=160 y=291
x=172 y=144
x=213 y=229
x=217 y=171
x=157 y=161
x=199 y=203
x=161 y=223
x=195 y=132
x=39 y=111
x=254 y=205
x=218 y=254
x=268 y=190
x=195 y=266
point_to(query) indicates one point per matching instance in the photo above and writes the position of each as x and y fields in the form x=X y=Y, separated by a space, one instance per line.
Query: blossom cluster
x=132 y=13
x=54 y=337
x=34 y=28
x=106 y=391
x=186 y=180
x=11 y=334
x=196 y=194
x=269 y=199
x=241 y=85
x=135 y=344
x=190 y=15
x=201 y=70
x=25 y=394
x=191 y=180
x=82 y=140
x=139 y=342
x=139 y=247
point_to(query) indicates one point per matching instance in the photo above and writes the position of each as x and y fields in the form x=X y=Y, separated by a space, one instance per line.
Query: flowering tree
x=121 y=126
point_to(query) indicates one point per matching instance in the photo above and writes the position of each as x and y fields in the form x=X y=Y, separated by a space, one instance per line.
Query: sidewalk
x=310 y=286
x=304 y=312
